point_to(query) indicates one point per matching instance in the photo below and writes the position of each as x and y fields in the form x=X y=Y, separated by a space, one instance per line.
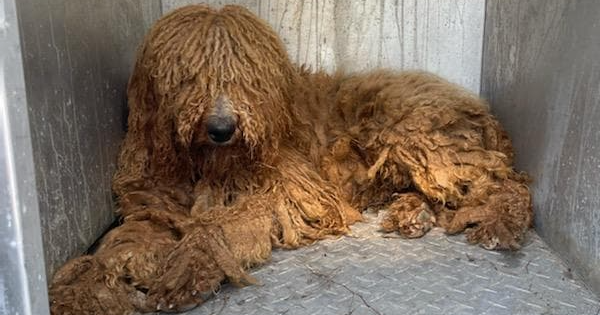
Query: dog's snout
x=220 y=129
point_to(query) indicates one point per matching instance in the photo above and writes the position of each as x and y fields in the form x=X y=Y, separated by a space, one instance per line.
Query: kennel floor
x=374 y=273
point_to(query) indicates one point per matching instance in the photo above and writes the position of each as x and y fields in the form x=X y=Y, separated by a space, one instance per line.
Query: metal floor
x=369 y=273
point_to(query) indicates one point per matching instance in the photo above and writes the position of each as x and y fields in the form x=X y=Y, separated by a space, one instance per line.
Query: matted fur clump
x=232 y=151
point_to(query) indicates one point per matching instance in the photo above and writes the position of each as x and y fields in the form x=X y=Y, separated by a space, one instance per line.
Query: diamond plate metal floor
x=373 y=273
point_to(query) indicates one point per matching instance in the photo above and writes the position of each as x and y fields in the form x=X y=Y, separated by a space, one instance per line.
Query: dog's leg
x=478 y=188
x=162 y=258
x=298 y=209
x=114 y=279
x=456 y=166
x=449 y=145
x=170 y=255
x=220 y=243
x=79 y=287
x=495 y=213
x=409 y=214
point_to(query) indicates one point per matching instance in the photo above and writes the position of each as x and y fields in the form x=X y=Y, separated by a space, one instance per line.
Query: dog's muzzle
x=220 y=129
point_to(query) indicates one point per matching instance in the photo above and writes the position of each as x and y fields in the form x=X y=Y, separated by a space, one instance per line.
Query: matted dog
x=232 y=150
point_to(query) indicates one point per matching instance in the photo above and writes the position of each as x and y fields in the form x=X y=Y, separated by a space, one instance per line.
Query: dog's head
x=214 y=82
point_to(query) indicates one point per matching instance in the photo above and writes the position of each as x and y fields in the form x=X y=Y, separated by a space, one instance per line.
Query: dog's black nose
x=220 y=129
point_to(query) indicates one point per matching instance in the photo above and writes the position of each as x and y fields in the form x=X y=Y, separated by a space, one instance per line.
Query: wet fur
x=311 y=151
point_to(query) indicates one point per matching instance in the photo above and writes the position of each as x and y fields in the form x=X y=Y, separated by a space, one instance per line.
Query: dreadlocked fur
x=308 y=153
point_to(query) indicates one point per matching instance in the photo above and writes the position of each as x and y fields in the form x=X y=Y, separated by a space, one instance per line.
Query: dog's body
x=233 y=150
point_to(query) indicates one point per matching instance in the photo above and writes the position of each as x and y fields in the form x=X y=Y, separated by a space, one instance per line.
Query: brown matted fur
x=309 y=152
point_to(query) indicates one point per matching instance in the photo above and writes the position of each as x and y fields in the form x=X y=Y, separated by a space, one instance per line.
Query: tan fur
x=310 y=151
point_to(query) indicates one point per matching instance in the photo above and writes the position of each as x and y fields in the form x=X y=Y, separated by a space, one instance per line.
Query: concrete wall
x=77 y=59
x=444 y=36
x=541 y=72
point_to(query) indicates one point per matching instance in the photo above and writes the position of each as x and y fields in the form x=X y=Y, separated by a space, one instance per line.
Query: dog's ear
x=149 y=154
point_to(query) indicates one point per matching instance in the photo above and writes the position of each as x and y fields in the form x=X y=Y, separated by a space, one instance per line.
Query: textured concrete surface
x=371 y=274
x=541 y=72
x=77 y=59
x=441 y=36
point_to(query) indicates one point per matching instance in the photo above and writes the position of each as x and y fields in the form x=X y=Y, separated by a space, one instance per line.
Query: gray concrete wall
x=77 y=59
x=541 y=72
x=443 y=36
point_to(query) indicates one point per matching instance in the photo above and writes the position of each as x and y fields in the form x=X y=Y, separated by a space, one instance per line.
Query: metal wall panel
x=77 y=59
x=541 y=72
x=443 y=36
x=22 y=274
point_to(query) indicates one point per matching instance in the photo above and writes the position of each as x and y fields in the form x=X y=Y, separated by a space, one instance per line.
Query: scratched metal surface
x=77 y=57
x=443 y=36
x=22 y=273
x=372 y=274
x=541 y=72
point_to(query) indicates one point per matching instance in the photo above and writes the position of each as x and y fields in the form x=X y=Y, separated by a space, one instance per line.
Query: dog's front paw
x=81 y=287
x=493 y=230
x=194 y=270
x=182 y=302
x=410 y=215
x=189 y=277
x=498 y=217
x=495 y=235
